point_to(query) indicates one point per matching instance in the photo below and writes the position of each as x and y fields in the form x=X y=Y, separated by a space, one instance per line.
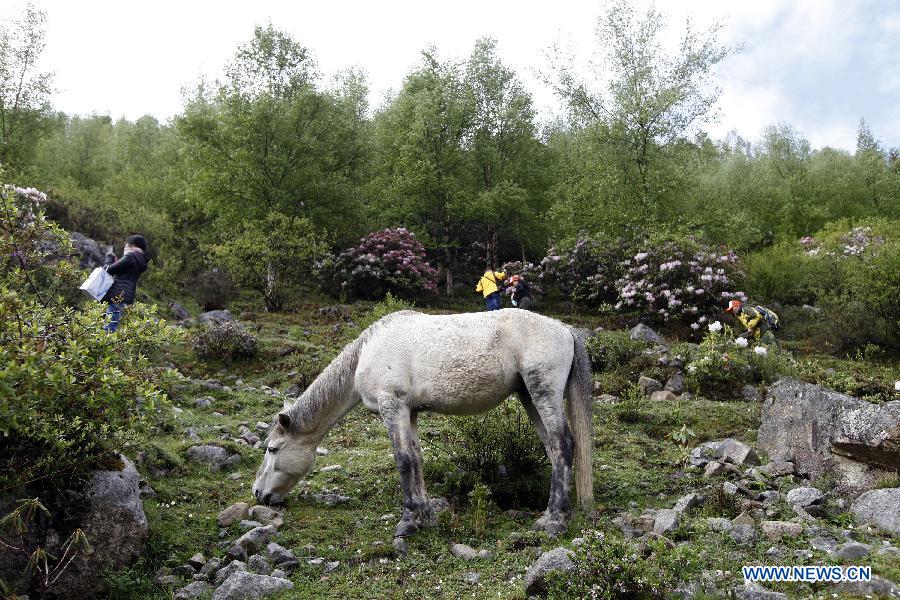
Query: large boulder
x=881 y=507
x=827 y=433
x=88 y=252
x=242 y=585
x=215 y=317
x=642 y=332
x=109 y=512
x=728 y=450
x=558 y=559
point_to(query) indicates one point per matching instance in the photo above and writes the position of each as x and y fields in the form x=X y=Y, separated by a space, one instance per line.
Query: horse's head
x=289 y=456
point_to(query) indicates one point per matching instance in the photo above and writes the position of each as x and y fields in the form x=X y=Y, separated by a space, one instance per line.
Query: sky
x=819 y=65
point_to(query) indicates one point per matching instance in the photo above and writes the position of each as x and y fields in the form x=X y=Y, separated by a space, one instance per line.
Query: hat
x=733 y=306
x=138 y=241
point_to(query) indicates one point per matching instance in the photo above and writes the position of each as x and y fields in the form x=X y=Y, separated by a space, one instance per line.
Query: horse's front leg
x=400 y=424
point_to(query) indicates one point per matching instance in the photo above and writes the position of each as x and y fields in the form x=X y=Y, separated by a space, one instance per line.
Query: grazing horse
x=462 y=364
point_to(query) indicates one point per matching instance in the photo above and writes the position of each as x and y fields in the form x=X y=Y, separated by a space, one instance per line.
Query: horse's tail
x=578 y=396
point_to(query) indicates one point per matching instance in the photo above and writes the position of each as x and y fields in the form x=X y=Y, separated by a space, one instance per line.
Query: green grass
x=636 y=462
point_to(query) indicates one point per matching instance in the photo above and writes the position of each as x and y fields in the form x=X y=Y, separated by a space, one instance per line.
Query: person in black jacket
x=126 y=271
x=521 y=293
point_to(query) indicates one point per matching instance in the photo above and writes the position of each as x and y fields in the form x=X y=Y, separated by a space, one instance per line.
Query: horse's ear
x=284 y=420
x=287 y=404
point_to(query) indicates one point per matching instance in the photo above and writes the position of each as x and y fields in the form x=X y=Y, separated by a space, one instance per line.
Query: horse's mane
x=328 y=387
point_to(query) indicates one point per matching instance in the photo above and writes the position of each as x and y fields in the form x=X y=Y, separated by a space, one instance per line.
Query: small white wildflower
x=714 y=327
x=742 y=342
x=761 y=350
x=897 y=385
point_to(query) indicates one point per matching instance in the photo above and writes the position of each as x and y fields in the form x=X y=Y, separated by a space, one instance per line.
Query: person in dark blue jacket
x=126 y=272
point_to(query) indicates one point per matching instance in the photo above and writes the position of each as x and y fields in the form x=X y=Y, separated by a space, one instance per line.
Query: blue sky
x=819 y=65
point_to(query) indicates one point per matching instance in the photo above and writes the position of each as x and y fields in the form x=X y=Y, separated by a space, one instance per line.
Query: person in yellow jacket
x=758 y=321
x=489 y=285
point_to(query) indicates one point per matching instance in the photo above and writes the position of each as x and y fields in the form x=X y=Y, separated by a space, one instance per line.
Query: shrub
x=720 y=366
x=80 y=393
x=212 y=289
x=607 y=566
x=391 y=260
x=679 y=280
x=500 y=449
x=273 y=256
x=226 y=341
x=533 y=275
x=588 y=270
x=610 y=349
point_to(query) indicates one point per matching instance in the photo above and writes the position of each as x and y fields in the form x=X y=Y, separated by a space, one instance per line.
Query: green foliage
x=609 y=567
x=720 y=366
x=499 y=449
x=226 y=341
x=80 y=393
x=630 y=408
x=212 y=289
x=479 y=498
x=390 y=304
x=784 y=273
x=273 y=256
x=610 y=349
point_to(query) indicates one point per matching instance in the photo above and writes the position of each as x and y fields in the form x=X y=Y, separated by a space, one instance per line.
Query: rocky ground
x=720 y=494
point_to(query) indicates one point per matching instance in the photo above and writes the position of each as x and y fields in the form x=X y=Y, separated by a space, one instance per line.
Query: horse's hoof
x=405 y=529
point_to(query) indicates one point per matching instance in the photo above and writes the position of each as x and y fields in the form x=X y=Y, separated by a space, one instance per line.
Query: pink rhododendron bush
x=679 y=281
x=587 y=270
x=391 y=260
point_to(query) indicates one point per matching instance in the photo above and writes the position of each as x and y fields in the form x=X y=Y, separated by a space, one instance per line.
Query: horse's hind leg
x=546 y=409
x=408 y=453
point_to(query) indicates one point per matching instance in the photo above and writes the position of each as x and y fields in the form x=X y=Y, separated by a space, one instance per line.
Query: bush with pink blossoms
x=679 y=281
x=587 y=271
x=391 y=260
x=530 y=272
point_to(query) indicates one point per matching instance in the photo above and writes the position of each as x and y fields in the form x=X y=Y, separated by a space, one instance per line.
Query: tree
x=274 y=256
x=267 y=139
x=24 y=92
x=421 y=177
x=640 y=99
x=503 y=150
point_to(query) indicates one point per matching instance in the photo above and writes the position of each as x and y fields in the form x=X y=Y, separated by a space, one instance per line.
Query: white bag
x=97 y=283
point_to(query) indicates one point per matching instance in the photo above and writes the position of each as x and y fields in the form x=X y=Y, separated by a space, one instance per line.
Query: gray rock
x=877 y=585
x=204 y=402
x=558 y=559
x=215 y=456
x=881 y=507
x=750 y=394
x=229 y=570
x=775 y=530
x=648 y=385
x=642 y=332
x=212 y=565
x=607 y=399
x=216 y=317
x=675 y=384
x=729 y=488
x=687 y=502
x=823 y=543
x=744 y=534
x=331 y=499
x=331 y=566
x=197 y=561
x=852 y=550
x=805 y=496
x=663 y=396
x=279 y=553
x=266 y=515
x=754 y=591
x=713 y=468
x=330 y=468
x=236 y=512
x=247 y=586
x=110 y=513
x=777 y=468
x=827 y=433
x=727 y=450
x=719 y=524
x=769 y=497
x=256 y=538
x=472 y=578
x=178 y=311
x=464 y=552
x=259 y=565
x=666 y=521
x=293 y=390
x=279 y=573
x=196 y=589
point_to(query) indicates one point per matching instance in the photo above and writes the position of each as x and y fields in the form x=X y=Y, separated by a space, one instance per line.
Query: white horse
x=460 y=364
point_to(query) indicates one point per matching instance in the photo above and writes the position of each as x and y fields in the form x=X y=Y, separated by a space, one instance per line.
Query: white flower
x=695 y=326
x=897 y=385
x=742 y=342
x=714 y=327
x=691 y=368
x=761 y=350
